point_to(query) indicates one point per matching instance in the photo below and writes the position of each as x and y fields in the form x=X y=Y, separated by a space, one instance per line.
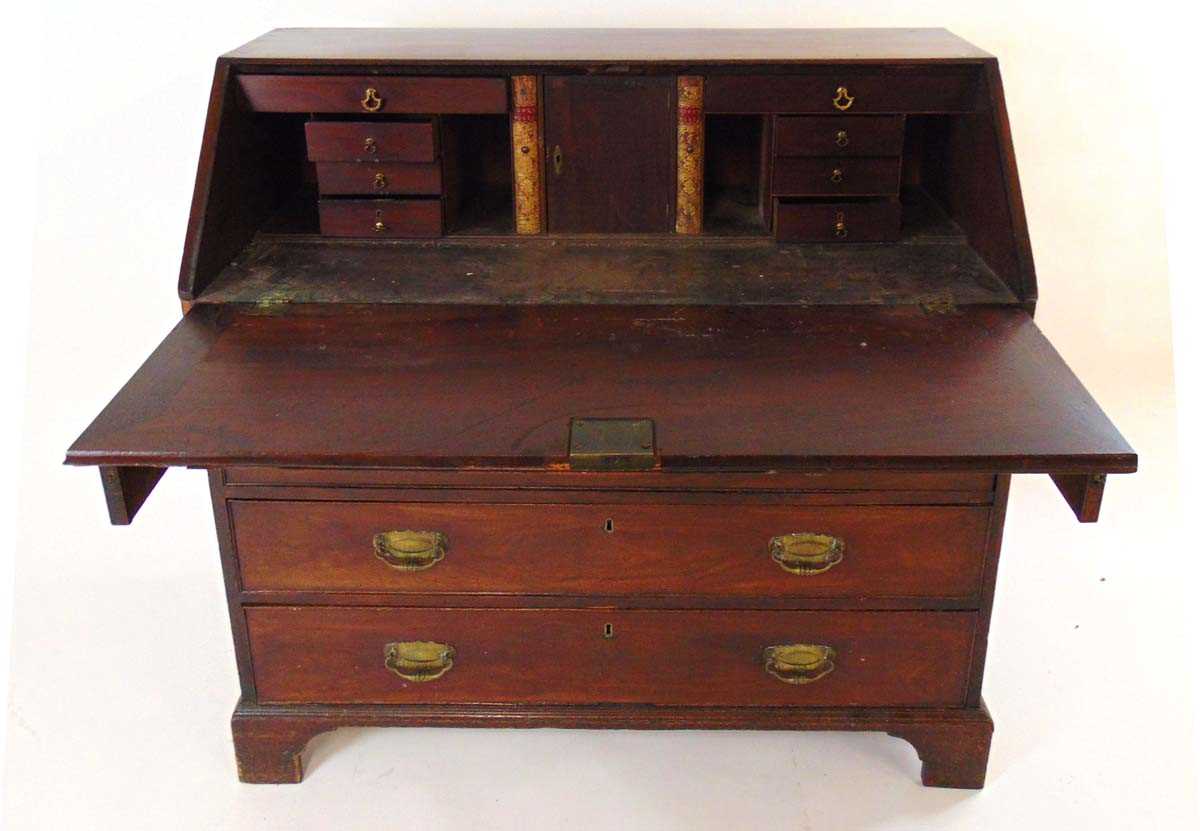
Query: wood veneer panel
x=562 y=656
x=895 y=551
x=812 y=388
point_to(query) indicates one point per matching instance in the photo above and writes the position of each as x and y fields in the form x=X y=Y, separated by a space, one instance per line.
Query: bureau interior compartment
x=477 y=170
x=736 y=174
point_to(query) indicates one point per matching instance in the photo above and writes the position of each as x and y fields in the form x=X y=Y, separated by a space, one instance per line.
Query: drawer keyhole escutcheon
x=557 y=157
x=842 y=99
x=410 y=550
x=371 y=102
x=608 y=526
x=608 y=631
x=418 y=661
x=799 y=663
x=806 y=553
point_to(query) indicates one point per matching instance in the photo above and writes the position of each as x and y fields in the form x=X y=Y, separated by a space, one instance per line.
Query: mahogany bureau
x=631 y=379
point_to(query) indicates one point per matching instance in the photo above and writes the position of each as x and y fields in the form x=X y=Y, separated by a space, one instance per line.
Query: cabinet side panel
x=233 y=583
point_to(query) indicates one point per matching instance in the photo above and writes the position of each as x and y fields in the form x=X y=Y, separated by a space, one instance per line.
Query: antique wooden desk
x=608 y=379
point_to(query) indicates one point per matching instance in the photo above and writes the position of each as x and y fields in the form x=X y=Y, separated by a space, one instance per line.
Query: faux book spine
x=527 y=155
x=689 y=204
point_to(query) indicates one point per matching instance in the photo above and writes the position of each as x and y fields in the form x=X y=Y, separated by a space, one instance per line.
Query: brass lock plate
x=600 y=444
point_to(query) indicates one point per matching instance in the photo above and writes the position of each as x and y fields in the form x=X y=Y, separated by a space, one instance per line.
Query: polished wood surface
x=563 y=656
x=531 y=46
x=601 y=178
x=611 y=549
x=980 y=389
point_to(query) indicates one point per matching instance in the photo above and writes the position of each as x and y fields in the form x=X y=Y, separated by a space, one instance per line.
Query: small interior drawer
x=381 y=218
x=378 y=178
x=373 y=94
x=354 y=655
x=843 y=92
x=832 y=176
x=370 y=141
x=866 y=221
x=838 y=135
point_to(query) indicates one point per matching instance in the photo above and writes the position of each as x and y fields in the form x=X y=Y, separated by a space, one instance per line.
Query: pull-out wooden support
x=1082 y=492
x=126 y=489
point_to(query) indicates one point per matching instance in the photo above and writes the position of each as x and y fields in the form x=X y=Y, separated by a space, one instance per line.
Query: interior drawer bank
x=588 y=656
x=716 y=550
x=374 y=94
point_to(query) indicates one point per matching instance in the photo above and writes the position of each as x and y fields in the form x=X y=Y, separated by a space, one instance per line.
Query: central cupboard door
x=611 y=154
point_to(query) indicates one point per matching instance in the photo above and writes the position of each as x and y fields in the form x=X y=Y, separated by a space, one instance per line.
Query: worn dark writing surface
x=978 y=388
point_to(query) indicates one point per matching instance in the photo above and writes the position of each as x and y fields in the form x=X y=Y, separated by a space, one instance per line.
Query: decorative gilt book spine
x=527 y=155
x=689 y=203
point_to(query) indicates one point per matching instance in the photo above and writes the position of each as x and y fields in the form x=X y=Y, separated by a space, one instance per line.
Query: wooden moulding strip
x=527 y=155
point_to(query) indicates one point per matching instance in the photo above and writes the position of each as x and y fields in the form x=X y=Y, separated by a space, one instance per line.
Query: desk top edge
x=625 y=45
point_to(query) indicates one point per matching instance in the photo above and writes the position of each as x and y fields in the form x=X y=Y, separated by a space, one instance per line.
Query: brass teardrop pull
x=370 y=147
x=842 y=99
x=380 y=181
x=371 y=102
x=836 y=176
x=842 y=138
x=379 y=226
x=839 y=225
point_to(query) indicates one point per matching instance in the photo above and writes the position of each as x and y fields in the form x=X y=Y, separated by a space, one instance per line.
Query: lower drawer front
x=614 y=550
x=381 y=218
x=877 y=221
x=578 y=656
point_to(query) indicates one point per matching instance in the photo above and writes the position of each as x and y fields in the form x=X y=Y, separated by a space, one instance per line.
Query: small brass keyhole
x=557 y=157
x=608 y=630
x=608 y=526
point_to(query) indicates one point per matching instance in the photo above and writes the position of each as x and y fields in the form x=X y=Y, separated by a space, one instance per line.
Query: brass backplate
x=612 y=444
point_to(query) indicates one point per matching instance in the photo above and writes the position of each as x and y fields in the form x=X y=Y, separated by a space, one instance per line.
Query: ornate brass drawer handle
x=842 y=138
x=799 y=663
x=380 y=181
x=418 y=660
x=370 y=147
x=371 y=102
x=807 y=553
x=411 y=550
x=842 y=99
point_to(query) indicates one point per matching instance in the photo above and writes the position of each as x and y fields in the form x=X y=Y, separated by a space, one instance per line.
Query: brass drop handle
x=842 y=99
x=557 y=156
x=806 y=553
x=371 y=102
x=839 y=225
x=411 y=550
x=370 y=147
x=380 y=181
x=379 y=226
x=842 y=138
x=836 y=176
x=418 y=661
x=799 y=663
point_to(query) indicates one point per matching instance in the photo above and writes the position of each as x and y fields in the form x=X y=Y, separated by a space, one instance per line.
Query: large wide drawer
x=611 y=550
x=575 y=656
x=374 y=94
x=834 y=93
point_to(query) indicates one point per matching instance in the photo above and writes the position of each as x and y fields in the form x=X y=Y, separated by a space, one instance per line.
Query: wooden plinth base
x=953 y=743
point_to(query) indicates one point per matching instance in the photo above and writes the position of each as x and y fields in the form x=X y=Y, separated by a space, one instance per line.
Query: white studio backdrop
x=123 y=676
